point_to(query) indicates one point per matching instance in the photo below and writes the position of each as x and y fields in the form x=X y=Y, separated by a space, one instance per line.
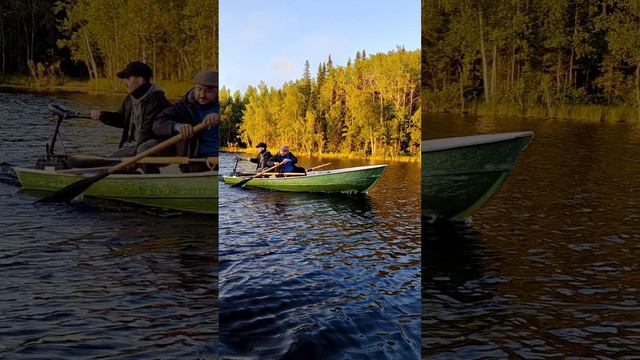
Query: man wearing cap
x=200 y=104
x=138 y=111
x=262 y=158
x=286 y=159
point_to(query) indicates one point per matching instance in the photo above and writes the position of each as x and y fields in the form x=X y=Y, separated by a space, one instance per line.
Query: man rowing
x=286 y=160
x=262 y=158
x=199 y=105
x=138 y=111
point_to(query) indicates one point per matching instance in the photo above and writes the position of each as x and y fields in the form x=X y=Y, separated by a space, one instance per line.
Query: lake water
x=549 y=267
x=99 y=280
x=321 y=276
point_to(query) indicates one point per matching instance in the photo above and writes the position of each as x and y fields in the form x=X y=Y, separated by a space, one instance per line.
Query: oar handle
x=163 y=145
x=318 y=167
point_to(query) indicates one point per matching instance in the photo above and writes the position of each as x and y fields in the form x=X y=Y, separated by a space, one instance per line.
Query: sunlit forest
x=370 y=107
x=52 y=40
x=553 y=58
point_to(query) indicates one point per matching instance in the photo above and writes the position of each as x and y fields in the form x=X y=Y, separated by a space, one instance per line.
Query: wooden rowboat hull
x=459 y=175
x=348 y=180
x=193 y=192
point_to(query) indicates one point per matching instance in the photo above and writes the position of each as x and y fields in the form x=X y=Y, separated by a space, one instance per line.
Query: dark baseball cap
x=136 y=68
x=262 y=145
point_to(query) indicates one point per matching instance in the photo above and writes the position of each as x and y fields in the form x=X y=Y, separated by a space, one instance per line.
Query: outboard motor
x=51 y=159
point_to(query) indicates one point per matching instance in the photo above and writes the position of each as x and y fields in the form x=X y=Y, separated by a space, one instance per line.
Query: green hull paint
x=183 y=192
x=357 y=179
x=459 y=179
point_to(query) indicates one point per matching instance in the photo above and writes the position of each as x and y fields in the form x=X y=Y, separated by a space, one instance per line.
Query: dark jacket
x=150 y=101
x=184 y=111
x=288 y=167
x=262 y=159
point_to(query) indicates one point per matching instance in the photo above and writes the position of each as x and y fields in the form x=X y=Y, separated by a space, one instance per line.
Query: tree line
x=97 y=38
x=370 y=106
x=531 y=54
x=28 y=34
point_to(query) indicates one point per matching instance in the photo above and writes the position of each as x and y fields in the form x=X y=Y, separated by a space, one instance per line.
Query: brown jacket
x=137 y=114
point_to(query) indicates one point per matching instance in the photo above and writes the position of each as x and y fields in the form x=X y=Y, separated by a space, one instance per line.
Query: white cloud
x=284 y=67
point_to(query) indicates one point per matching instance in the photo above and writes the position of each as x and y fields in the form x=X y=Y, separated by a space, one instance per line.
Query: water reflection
x=547 y=268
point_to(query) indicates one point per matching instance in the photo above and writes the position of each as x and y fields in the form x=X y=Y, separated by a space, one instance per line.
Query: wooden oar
x=69 y=192
x=241 y=183
x=318 y=167
x=168 y=160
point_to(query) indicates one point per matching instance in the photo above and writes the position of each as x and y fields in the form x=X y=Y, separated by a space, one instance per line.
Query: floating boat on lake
x=171 y=189
x=189 y=192
x=459 y=175
x=348 y=180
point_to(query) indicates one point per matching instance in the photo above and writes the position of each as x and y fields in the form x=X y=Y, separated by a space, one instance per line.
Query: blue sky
x=270 y=40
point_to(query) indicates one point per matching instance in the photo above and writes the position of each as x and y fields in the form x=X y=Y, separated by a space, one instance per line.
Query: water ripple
x=318 y=276
x=100 y=280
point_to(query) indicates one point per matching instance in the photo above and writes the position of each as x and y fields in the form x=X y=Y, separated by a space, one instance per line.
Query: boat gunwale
x=481 y=139
x=315 y=173
x=119 y=176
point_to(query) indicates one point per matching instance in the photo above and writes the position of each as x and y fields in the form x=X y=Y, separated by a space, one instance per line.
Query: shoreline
x=404 y=158
x=173 y=89
x=585 y=113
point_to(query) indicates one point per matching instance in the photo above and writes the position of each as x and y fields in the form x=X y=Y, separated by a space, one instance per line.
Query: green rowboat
x=190 y=192
x=459 y=175
x=347 y=180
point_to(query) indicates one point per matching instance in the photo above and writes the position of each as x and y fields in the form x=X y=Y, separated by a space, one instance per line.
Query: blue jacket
x=187 y=110
x=288 y=167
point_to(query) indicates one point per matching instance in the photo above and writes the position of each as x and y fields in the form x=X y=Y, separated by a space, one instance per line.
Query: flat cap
x=207 y=77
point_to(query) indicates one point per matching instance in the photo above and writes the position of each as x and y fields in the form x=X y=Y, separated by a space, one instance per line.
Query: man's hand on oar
x=95 y=115
x=186 y=130
x=211 y=120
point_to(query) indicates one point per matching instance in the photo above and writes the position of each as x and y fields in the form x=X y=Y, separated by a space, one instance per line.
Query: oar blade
x=241 y=183
x=69 y=192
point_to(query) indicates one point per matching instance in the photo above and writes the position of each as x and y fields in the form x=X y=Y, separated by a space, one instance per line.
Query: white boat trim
x=466 y=141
